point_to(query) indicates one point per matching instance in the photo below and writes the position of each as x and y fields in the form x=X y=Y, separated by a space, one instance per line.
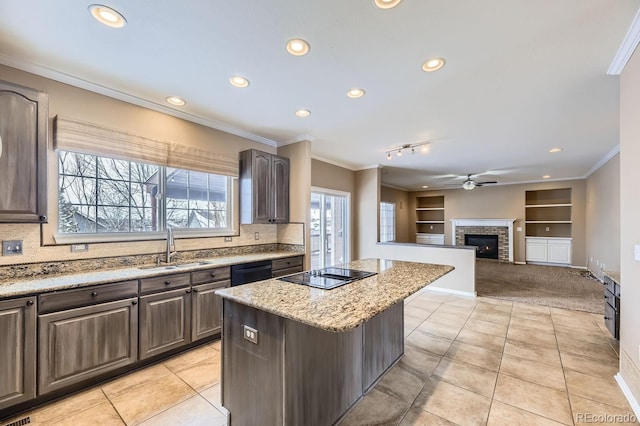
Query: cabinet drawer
x=163 y=282
x=287 y=271
x=68 y=299
x=211 y=275
x=611 y=285
x=287 y=262
x=612 y=300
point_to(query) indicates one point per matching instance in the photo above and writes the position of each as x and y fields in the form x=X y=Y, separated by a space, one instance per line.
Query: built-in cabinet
x=264 y=187
x=612 y=305
x=78 y=342
x=548 y=226
x=206 y=307
x=286 y=266
x=17 y=351
x=430 y=219
x=24 y=116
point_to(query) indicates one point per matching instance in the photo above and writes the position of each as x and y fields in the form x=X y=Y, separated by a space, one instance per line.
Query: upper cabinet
x=24 y=116
x=264 y=188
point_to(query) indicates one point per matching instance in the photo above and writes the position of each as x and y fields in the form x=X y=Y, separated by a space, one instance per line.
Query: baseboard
x=520 y=263
x=628 y=394
x=578 y=267
x=450 y=291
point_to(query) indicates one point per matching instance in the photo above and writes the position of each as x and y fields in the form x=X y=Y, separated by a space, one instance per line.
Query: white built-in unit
x=430 y=220
x=548 y=226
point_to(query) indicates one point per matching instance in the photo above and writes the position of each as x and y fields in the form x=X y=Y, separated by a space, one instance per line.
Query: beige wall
x=91 y=107
x=366 y=209
x=325 y=175
x=506 y=202
x=299 y=155
x=401 y=199
x=630 y=223
x=603 y=218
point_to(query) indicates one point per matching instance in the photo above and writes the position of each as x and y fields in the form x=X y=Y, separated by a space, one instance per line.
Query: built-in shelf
x=430 y=216
x=547 y=221
x=548 y=213
x=547 y=205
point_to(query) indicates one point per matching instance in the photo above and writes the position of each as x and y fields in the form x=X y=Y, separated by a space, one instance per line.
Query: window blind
x=89 y=138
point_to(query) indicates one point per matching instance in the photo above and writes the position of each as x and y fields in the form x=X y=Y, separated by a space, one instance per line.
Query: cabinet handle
x=43 y=218
x=188 y=291
x=134 y=302
x=94 y=294
x=213 y=274
x=167 y=282
x=195 y=290
x=29 y=302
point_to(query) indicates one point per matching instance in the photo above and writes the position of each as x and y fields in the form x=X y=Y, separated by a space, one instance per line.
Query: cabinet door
x=280 y=189
x=261 y=187
x=17 y=351
x=422 y=239
x=165 y=321
x=206 y=310
x=559 y=252
x=436 y=239
x=23 y=154
x=536 y=250
x=78 y=344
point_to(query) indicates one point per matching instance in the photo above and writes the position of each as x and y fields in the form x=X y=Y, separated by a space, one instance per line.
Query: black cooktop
x=327 y=278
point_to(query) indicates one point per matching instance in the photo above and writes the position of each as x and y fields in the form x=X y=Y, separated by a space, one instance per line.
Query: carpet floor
x=554 y=286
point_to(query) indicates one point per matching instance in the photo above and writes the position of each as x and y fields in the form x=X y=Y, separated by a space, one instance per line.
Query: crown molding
x=399 y=188
x=333 y=162
x=627 y=47
x=300 y=138
x=61 y=77
x=604 y=160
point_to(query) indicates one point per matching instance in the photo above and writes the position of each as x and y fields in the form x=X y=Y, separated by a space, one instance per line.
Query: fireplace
x=503 y=228
x=486 y=245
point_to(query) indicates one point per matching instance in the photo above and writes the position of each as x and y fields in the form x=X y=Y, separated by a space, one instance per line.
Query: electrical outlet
x=11 y=248
x=547 y=229
x=251 y=334
x=591 y=259
x=77 y=248
x=228 y=239
x=256 y=235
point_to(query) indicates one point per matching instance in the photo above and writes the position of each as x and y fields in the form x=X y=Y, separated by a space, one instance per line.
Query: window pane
x=177 y=218
x=109 y=168
x=77 y=190
x=113 y=219
x=113 y=193
x=70 y=163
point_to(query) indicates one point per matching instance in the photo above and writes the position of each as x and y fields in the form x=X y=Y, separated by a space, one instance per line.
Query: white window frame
x=347 y=224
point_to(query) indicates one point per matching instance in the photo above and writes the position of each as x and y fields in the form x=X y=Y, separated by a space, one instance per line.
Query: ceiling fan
x=469 y=183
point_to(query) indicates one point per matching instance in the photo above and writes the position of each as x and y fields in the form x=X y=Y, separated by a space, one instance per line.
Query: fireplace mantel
x=508 y=223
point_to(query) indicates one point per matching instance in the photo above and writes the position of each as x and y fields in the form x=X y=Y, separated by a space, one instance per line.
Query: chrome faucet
x=171 y=244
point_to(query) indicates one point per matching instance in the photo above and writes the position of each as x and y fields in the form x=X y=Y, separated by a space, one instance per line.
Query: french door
x=329 y=228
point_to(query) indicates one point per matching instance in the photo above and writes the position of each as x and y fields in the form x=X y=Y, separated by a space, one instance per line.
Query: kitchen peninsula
x=294 y=354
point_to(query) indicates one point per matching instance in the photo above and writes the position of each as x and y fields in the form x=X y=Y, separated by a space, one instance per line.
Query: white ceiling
x=521 y=76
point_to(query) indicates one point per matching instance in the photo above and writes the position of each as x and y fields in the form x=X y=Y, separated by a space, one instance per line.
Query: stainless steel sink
x=178 y=266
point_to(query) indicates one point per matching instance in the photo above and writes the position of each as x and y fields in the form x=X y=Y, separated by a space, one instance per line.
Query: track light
x=412 y=146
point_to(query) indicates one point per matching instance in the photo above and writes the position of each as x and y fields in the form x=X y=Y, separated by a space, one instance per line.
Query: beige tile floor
x=467 y=361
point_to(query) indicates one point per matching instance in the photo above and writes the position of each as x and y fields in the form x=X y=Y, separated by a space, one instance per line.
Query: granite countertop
x=345 y=307
x=13 y=288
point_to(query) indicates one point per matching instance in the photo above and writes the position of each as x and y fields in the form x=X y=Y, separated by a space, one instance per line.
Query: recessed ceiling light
x=297 y=47
x=303 y=113
x=238 y=81
x=554 y=150
x=107 y=16
x=546 y=176
x=433 y=64
x=386 y=4
x=425 y=186
x=175 y=100
x=355 y=93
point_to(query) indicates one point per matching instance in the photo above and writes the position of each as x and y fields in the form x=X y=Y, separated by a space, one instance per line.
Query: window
x=100 y=195
x=387 y=222
x=329 y=227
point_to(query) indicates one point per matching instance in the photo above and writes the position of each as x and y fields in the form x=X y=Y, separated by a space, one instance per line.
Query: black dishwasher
x=250 y=272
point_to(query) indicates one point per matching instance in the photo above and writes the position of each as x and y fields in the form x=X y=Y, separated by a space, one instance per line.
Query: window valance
x=88 y=138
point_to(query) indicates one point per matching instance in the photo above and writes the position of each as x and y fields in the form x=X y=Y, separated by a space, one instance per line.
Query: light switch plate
x=256 y=235
x=12 y=248
x=227 y=239
x=519 y=229
x=78 y=248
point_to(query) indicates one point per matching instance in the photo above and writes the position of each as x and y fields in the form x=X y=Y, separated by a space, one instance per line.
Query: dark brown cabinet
x=286 y=266
x=206 y=307
x=264 y=188
x=612 y=306
x=24 y=116
x=165 y=316
x=81 y=343
x=18 y=351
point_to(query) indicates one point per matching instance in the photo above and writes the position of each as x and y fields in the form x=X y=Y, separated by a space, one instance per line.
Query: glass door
x=329 y=228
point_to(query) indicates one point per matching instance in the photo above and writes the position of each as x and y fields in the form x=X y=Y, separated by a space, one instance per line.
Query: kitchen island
x=298 y=355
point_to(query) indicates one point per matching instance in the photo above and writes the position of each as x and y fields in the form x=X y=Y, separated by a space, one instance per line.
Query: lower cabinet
x=206 y=310
x=78 y=344
x=548 y=250
x=165 y=321
x=17 y=351
x=286 y=266
x=437 y=239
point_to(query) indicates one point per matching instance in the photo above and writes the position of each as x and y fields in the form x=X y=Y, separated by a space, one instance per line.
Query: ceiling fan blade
x=485 y=183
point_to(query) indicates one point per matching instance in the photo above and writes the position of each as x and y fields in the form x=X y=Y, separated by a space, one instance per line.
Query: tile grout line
x=113 y=406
